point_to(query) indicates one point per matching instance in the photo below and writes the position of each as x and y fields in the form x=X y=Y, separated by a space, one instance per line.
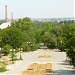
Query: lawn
x=2 y=66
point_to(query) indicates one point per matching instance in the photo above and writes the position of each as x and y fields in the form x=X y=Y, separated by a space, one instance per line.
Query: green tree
x=69 y=41
x=0 y=37
x=6 y=49
x=13 y=37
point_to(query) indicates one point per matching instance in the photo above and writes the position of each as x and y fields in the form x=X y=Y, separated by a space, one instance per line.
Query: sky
x=38 y=8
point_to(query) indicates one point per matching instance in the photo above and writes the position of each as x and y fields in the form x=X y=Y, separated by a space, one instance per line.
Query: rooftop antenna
x=6 y=13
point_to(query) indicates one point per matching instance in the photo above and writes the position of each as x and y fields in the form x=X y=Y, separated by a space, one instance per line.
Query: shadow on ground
x=65 y=62
x=70 y=71
x=64 y=72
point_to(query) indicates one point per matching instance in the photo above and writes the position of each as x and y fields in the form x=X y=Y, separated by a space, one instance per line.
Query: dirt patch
x=44 y=56
x=38 y=69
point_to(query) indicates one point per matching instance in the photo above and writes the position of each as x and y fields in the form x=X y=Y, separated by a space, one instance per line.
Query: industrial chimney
x=11 y=16
x=6 y=14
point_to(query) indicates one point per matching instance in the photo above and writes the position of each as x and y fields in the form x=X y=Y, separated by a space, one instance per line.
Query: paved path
x=58 y=59
x=61 y=66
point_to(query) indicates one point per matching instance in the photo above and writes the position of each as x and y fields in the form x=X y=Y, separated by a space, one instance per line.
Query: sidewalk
x=61 y=66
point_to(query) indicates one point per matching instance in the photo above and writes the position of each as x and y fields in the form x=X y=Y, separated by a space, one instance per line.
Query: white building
x=4 y=25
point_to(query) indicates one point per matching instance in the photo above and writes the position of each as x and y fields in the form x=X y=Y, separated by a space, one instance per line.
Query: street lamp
x=28 y=43
x=12 y=56
x=20 y=53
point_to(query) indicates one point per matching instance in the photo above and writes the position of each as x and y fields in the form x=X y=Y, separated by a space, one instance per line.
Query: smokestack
x=6 y=14
x=11 y=16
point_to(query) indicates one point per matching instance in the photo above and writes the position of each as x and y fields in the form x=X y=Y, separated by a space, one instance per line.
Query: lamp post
x=20 y=53
x=61 y=45
x=28 y=43
x=12 y=56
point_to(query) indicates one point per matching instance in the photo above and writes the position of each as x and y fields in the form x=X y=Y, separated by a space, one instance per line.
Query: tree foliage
x=6 y=49
x=69 y=41
x=59 y=35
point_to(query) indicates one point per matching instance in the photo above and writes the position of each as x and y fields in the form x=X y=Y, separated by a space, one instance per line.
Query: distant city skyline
x=38 y=8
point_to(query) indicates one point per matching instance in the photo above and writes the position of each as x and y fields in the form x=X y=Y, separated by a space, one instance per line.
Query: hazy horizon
x=38 y=8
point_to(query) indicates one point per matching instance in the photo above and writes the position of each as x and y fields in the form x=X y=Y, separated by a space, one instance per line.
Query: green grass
x=17 y=59
x=3 y=69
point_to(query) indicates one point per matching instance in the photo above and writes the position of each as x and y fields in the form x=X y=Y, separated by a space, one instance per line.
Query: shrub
x=0 y=56
x=6 y=49
x=3 y=69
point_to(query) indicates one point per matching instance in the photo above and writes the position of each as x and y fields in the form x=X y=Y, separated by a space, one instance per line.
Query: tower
x=11 y=16
x=6 y=14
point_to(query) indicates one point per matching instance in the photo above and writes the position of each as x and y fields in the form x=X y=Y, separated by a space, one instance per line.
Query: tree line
x=27 y=34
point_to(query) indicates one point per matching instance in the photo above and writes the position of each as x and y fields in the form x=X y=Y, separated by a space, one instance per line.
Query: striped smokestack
x=6 y=14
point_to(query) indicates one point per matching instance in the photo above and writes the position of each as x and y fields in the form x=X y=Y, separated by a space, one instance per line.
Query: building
x=4 y=25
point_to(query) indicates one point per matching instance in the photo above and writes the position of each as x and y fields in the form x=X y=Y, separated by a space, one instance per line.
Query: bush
x=25 y=47
x=6 y=49
x=0 y=56
x=3 y=69
x=34 y=47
